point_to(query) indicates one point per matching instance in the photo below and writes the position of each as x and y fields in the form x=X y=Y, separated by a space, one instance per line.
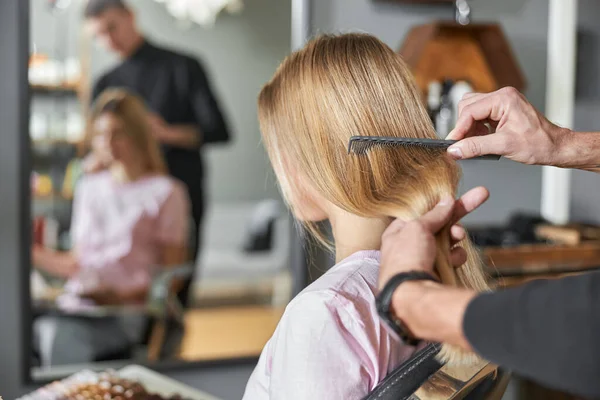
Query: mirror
x=132 y=264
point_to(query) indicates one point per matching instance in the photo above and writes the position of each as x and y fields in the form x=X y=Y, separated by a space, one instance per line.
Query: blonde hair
x=353 y=84
x=130 y=109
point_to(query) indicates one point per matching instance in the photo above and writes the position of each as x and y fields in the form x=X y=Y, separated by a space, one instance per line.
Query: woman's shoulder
x=177 y=191
x=356 y=275
x=349 y=285
x=96 y=176
x=175 y=185
x=91 y=179
x=154 y=183
x=165 y=188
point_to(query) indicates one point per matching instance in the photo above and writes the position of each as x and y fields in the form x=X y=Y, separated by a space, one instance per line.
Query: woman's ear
x=308 y=204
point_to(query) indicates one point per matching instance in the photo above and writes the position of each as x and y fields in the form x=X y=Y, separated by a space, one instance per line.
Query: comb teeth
x=360 y=145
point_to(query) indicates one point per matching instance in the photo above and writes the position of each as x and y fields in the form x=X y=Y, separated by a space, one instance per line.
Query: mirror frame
x=15 y=214
x=15 y=334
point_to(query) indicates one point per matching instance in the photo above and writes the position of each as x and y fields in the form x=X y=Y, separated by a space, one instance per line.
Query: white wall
x=525 y=22
x=240 y=52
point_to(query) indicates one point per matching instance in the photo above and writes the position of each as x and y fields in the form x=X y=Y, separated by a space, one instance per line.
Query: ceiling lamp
x=201 y=12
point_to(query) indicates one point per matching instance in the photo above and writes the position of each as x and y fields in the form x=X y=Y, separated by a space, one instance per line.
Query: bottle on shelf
x=46 y=232
x=58 y=128
x=434 y=94
x=456 y=94
x=38 y=126
x=72 y=72
x=445 y=120
x=50 y=73
x=75 y=127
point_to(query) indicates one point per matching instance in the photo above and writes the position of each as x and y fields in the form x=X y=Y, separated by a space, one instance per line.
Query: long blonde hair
x=130 y=109
x=353 y=84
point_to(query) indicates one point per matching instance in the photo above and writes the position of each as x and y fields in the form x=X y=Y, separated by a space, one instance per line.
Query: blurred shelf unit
x=479 y=54
x=48 y=143
x=59 y=95
x=61 y=90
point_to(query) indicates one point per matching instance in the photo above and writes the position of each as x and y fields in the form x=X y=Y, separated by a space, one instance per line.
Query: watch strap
x=384 y=301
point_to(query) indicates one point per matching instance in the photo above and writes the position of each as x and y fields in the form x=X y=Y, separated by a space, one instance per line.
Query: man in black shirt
x=184 y=113
x=548 y=331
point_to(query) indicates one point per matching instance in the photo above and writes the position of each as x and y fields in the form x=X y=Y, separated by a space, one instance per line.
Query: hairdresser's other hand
x=410 y=245
x=521 y=133
x=159 y=127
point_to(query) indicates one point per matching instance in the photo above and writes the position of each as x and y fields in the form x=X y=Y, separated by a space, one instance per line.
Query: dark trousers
x=196 y=236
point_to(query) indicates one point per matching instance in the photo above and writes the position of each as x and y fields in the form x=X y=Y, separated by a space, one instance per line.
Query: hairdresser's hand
x=521 y=132
x=410 y=245
x=160 y=128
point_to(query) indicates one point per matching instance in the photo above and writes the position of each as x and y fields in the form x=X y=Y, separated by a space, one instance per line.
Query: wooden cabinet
x=477 y=53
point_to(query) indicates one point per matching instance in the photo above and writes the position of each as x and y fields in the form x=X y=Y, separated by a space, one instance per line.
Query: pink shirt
x=330 y=343
x=119 y=229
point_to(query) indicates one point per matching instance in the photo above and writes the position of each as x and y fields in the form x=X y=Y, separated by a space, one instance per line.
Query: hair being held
x=353 y=84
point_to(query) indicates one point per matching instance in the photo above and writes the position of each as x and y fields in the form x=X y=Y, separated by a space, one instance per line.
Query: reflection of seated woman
x=330 y=343
x=127 y=220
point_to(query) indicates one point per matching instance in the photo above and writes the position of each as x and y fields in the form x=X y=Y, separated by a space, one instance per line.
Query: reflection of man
x=174 y=86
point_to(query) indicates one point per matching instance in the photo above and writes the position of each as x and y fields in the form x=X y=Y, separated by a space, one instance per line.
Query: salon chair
x=245 y=251
x=162 y=315
x=164 y=310
x=423 y=377
x=160 y=311
x=164 y=332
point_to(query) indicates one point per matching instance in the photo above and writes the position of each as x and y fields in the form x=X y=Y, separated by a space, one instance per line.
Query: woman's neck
x=128 y=173
x=352 y=233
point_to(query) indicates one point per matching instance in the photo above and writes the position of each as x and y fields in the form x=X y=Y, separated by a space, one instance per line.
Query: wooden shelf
x=56 y=142
x=517 y=265
x=67 y=89
x=55 y=197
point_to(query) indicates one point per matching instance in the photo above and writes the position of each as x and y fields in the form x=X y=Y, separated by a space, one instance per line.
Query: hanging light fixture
x=59 y=5
x=201 y=12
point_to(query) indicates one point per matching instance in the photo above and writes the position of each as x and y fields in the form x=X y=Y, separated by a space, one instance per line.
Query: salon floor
x=228 y=332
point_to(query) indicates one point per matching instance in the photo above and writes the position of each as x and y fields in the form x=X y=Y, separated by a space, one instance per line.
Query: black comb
x=360 y=145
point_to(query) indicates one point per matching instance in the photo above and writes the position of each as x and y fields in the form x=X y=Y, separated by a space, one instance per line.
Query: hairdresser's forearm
x=184 y=136
x=579 y=150
x=433 y=312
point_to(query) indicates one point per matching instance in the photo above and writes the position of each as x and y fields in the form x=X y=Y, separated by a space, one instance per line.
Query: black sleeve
x=548 y=331
x=205 y=107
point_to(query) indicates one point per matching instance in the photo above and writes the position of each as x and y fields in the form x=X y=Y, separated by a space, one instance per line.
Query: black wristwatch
x=384 y=302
